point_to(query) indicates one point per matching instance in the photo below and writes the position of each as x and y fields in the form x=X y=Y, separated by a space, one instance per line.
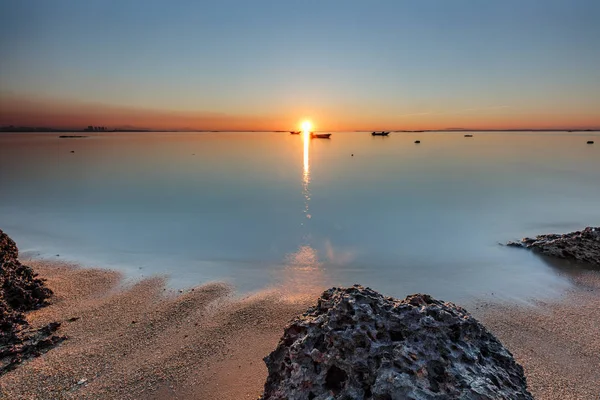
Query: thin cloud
x=465 y=110
x=416 y=114
x=480 y=109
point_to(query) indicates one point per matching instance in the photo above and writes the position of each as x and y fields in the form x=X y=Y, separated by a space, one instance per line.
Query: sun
x=306 y=126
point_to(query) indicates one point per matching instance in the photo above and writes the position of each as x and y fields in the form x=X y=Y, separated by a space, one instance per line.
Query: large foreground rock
x=357 y=344
x=581 y=246
x=20 y=291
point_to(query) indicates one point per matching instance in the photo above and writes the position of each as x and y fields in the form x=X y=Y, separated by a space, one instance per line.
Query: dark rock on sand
x=357 y=344
x=8 y=248
x=20 y=291
x=581 y=246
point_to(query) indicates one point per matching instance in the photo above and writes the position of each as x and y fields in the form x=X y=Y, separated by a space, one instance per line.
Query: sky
x=268 y=65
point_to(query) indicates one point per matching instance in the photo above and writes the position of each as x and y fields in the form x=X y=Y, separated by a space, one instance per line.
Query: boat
x=320 y=135
x=294 y=132
x=382 y=133
x=468 y=135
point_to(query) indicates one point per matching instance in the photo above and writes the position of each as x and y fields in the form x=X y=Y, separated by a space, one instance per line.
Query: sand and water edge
x=132 y=340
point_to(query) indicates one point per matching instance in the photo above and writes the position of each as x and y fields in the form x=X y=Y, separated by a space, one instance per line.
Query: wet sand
x=142 y=340
x=557 y=343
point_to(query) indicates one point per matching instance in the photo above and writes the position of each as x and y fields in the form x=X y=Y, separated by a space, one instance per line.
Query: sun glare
x=306 y=126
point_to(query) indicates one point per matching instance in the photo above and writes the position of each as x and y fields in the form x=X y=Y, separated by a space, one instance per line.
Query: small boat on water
x=468 y=135
x=382 y=133
x=320 y=135
x=294 y=132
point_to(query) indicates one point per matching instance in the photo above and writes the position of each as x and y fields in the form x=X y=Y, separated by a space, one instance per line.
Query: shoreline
x=142 y=340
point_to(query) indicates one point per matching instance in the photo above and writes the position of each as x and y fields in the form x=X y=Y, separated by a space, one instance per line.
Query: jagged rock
x=20 y=291
x=19 y=286
x=581 y=246
x=8 y=248
x=357 y=344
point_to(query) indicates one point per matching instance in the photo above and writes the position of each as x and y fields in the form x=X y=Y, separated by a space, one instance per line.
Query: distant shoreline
x=55 y=130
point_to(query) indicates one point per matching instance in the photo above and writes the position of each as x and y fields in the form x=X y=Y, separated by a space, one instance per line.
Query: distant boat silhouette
x=320 y=135
x=382 y=133
x=294 y=132
x=468 y=135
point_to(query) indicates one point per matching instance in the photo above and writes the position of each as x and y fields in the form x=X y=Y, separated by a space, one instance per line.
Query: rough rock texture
x=8 y=248
x=357 y=344
x=581 y=246
x=20 y=291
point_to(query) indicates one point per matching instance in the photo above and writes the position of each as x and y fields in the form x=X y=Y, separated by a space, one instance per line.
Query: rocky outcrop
x=357 y=344
x=8 y=248
x=581 y=246
x=20 y=291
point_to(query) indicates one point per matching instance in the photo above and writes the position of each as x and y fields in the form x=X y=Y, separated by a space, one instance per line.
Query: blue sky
x=416 y=62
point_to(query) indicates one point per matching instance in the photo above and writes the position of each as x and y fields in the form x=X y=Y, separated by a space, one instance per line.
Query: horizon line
x=32 y=129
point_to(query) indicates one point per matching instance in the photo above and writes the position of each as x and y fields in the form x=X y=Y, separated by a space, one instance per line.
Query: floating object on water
x=294 y=132
x=382 y=133
x=468 y=135
x=320 y=135
x=590 y=142
x=417 y=141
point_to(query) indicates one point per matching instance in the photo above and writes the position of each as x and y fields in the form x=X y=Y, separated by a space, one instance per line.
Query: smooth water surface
x=273 y=209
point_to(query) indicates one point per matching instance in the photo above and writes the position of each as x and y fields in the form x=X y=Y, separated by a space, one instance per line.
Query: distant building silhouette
x=92 y=128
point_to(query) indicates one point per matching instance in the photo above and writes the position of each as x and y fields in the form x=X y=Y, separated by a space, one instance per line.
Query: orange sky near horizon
x=269 y=65
x=19 y=111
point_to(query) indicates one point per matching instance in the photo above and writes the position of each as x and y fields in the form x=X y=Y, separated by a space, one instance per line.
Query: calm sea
x=264 y=210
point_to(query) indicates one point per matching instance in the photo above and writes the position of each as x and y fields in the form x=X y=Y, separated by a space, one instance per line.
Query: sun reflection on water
x=306 y=173
x=303 y=274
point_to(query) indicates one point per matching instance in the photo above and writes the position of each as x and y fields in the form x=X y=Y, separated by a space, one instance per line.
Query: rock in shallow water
x=357 y=344
x=581 y=246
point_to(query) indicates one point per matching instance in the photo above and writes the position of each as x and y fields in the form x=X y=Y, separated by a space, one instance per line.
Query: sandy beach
x=557 y=343
x=143 y=340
